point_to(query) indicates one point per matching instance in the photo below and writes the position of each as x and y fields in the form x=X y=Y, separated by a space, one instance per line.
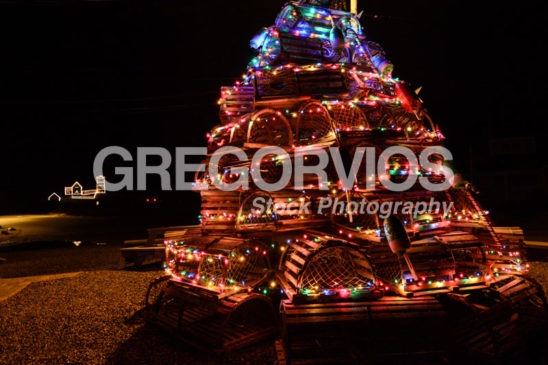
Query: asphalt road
x=17 y=229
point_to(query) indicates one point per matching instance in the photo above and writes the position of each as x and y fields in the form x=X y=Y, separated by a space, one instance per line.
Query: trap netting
x=469 y=260
x=252 y=217
x=353 y=215
x=388 y=267
x=348 y=118
x=270 y=127
x=337 y=268
x=226 y=271
x=313 y=124
x=238 y=131
x=463 y=206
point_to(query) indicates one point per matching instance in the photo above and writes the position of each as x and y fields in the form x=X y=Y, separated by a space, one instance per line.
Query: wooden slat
x=291 y=279
x=297 y=258
x=312 y=244
x=292 y=267
x=301 y=249
x=509 y=285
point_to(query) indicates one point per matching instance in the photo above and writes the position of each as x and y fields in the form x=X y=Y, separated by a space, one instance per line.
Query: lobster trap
x=208 y=320
x=315 y=267
x=222 y=266
x=208 y=298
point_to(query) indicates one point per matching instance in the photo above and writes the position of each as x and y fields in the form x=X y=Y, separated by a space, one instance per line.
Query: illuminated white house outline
x=76 y=190
x=54 y=196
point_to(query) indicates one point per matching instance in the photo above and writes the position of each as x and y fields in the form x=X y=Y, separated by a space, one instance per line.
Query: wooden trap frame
x=208 y=300
x=209 y=321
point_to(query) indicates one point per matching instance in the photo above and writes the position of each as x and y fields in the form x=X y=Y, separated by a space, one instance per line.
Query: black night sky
x=77 y=76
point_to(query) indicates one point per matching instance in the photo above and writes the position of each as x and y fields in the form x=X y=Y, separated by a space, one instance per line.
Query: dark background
x=77 y=76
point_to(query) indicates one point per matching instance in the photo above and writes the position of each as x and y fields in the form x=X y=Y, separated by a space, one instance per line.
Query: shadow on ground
x=152 y=345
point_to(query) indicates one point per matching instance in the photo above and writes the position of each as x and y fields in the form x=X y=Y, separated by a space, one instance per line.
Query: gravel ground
x=539 y=272
x=94 y=318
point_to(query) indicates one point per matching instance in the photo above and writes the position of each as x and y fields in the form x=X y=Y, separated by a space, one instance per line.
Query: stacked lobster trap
x=318 y=82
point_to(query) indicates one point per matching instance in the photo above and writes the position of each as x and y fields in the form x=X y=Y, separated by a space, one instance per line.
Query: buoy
x=398 y=241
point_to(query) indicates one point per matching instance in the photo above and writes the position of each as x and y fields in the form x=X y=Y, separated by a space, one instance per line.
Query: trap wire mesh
x=270 y=128
x=249 y=215
x=218 y=272
x=350 y=214
x=348 y=118
x=335 y=268
x=313 y=123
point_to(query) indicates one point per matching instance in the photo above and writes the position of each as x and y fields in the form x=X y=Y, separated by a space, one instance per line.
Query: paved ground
x=10 y=287
x=17 y=229
x=42 y=259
